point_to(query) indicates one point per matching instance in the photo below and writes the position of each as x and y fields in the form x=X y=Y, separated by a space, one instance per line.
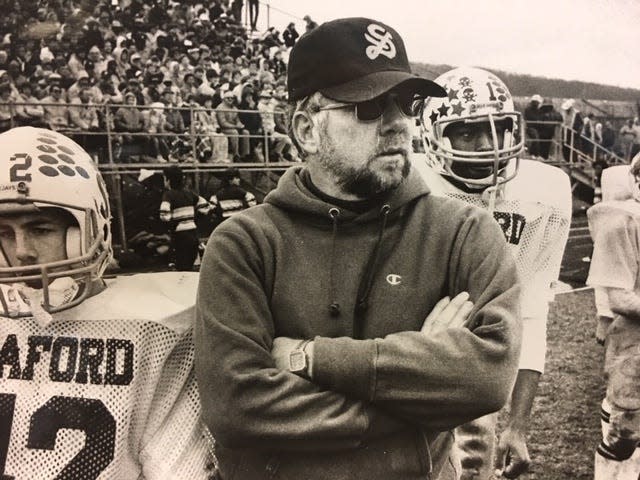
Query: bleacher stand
x=144 y=82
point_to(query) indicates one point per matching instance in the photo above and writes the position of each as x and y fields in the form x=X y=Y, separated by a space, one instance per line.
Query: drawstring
x=334 y=306
x=366 y=284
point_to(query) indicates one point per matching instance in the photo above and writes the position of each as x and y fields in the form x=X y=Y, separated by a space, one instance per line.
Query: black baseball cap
x=353 y=60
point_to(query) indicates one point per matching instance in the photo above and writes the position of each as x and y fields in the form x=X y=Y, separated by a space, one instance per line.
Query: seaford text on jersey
x=68 y=359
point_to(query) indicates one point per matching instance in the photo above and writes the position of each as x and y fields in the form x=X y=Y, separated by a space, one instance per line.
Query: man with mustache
x=348 y=323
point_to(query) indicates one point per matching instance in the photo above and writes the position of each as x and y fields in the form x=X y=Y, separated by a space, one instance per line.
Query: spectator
x=635 y=148
x=179 y=206
x=156 y=124
x=99 y=61
x=92 y=35
x=587 y=135
x=83 y=114
x=627 y=139
x=254 y=10
x=290 y=35
x=133 y=86
x=209 y=84
x=597 y=133
x=178 y=144
x=56 y=113
x=7 y=109
x=32 y=113
x=253 y=123
x=532 y=116
x=547 y=130
x=608 y=136
x=188 y=85
x=571 y=126
x=76 y=60
x=232 y=127
x=236 y=10
x=212 y=146
x=310 y=24
x=277 y=141
x=129 y=119
x=81 y=83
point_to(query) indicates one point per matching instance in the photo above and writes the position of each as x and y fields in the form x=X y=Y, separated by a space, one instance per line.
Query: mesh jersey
x=615 y=229
x=107 y=390
x=534 y=211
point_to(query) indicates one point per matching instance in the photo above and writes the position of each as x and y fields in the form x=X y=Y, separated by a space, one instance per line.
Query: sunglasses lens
x=408 y=103
x=369 y=110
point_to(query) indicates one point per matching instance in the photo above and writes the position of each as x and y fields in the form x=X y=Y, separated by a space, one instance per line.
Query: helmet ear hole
x=74 y=242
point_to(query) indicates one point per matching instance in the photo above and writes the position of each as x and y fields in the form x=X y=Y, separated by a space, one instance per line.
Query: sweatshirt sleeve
x=246 y=401
x=455 y=375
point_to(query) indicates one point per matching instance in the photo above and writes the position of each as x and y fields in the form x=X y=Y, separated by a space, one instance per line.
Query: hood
x=291 y=194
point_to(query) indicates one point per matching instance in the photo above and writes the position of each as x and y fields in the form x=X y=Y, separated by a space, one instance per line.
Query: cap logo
x=381 y=42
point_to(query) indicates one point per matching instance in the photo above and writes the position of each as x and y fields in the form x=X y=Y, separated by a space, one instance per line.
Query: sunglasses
x=409 y=104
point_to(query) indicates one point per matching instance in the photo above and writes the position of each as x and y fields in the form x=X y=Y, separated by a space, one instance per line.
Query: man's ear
x=306 y=132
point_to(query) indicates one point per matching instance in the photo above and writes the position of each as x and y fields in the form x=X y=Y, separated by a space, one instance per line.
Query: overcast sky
x=588 y=40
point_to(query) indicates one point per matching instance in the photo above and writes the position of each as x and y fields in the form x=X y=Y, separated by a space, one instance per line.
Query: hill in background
x=526 y=85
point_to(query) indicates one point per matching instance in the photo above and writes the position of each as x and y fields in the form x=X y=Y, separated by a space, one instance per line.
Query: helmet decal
x=473 y=96
x=42 y=169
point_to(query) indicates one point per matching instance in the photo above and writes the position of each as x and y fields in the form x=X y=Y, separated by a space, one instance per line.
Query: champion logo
x=381 y=42
x=394 y=279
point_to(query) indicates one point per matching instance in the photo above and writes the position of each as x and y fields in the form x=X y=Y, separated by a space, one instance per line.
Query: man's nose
x=484 y=141
x=392 y=117
x=25 y=251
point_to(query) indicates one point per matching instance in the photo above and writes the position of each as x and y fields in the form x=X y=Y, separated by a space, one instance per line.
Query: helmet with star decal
x=476 y=99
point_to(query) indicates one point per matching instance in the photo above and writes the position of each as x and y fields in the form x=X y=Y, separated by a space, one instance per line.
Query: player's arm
x=512 y=454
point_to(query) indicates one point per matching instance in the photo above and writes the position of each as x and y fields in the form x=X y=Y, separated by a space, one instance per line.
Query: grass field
x=565 y=426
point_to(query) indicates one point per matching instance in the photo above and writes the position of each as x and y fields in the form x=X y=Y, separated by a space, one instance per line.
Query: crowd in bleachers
x=172 y=69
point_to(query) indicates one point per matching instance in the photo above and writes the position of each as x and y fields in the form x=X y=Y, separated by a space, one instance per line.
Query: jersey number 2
x=86 y=414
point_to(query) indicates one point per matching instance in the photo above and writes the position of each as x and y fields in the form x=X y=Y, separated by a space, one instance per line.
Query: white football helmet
x=473 y=96
x=42 y=169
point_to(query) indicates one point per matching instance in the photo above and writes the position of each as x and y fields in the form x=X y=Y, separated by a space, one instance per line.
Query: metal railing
x=576 y=153
x=108 y=162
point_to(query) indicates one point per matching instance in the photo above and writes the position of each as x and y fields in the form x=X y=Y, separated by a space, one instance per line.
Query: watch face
x=297 y=361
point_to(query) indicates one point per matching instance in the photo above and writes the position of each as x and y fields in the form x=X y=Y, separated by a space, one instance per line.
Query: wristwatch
x=298 y=362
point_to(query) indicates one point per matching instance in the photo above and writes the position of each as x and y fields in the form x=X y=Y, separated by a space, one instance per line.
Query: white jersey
x=107 y=390
x=615 y=229
x=534 y=212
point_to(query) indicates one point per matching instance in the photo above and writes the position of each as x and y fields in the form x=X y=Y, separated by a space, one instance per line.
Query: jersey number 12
x=86 y=414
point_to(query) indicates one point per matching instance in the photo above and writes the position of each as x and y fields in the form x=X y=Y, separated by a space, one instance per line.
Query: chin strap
x=20 y=300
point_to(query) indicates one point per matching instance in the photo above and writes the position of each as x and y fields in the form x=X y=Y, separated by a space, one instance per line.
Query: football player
x=96 y=377
x=614 y=225
x=614 y=186
x=474 y=140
